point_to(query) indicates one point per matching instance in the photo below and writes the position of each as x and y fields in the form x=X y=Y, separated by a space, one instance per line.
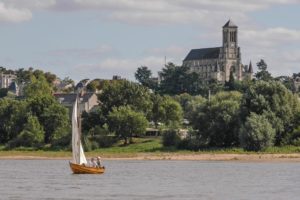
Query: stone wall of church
x=206 y=68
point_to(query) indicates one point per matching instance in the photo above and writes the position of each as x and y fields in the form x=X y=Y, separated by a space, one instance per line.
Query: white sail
x=77 y=149
x=82 y=158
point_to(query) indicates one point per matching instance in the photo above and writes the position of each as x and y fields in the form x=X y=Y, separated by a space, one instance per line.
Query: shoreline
x=293 y=157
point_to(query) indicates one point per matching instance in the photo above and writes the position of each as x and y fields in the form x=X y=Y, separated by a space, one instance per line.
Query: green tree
x=31 y=136
x=122 y=93
x=55 y=120
x=93 y=119
x=170 y=138
x=50 y=77
x=157 y=109
x=178 y=80
x=192 y=106
x=3 y=92
x=288 y=82
x=12 y=118
x=38 y=86
x=217 y=121
x=276 y=102
x=94 y=85
x=257 y=133
x=166 y=110
x=230 y=85
x=144 y=76
x=23 y=76
x=52 y=116
x=171 y=112
x=126 y=122
x=263 y=74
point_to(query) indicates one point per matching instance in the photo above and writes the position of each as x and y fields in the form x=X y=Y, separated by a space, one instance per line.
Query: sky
x=101 y=38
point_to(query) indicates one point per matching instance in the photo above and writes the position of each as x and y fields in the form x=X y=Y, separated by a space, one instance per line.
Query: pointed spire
x=230 y=24
x=250 y=67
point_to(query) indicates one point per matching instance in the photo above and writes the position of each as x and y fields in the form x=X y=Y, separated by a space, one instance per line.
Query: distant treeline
x=253 y=114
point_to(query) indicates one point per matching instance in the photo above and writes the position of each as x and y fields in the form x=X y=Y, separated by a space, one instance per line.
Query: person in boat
x=98 y=161
x=93 y=163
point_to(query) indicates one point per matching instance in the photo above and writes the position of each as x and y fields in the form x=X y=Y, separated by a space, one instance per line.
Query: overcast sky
x=100 y=38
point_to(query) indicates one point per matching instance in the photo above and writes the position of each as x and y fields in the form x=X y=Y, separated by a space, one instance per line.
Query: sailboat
x=79 y=163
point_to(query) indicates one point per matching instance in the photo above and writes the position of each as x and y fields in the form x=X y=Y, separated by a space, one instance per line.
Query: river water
x=155 y=180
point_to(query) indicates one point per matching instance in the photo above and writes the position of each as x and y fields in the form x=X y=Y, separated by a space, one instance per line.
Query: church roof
x=230 y=24
x=207 y=53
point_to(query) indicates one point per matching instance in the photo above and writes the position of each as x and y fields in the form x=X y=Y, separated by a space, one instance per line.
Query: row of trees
x=254 y=114
x=126 y=108
x=266 y=114
x=176 y=80
x=36 y=119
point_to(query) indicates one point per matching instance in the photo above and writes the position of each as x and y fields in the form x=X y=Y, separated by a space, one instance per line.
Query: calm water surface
x=52 y=179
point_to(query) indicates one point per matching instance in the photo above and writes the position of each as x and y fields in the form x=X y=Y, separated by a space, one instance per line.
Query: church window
x=234 y=36
x=232 y=69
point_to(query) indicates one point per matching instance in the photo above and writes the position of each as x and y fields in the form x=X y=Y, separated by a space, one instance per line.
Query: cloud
x=9 y=14
x=171 y=51
x=19 y=11
x=117 y=66
x=271 y=37
x=292 y=56
x=150 y=12
x=29 y=4
x=275 y=45
x=175 y=11
x=83 y=53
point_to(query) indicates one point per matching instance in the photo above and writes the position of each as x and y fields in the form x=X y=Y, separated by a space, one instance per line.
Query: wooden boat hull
x=81 y=169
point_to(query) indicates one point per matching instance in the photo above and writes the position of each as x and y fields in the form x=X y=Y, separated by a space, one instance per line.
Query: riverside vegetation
x=262 y=114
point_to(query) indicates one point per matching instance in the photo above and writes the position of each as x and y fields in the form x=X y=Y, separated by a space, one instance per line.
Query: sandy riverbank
x=173 y=156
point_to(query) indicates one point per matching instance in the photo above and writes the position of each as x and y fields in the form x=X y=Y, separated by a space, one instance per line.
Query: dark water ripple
x=139 y=180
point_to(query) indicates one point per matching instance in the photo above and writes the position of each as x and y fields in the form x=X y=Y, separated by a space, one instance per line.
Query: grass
x=151 y=146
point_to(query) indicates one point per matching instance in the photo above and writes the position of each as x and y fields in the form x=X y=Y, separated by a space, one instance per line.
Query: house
x=88 y=101
x=6 y=80
x=296 y=81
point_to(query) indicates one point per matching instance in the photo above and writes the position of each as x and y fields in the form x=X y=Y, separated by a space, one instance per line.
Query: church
x=218 y=63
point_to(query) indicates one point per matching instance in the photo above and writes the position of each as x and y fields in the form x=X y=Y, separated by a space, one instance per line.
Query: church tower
x=230 y=36
x=231 y=51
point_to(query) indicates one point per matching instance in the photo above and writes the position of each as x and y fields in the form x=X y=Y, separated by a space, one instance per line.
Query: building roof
x=70 y=98
x=207 y=53
x=87 y=96
x=66 y=98
x=230 y=24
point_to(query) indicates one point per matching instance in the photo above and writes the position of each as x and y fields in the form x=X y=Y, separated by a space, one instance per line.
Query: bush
x=62 y=143
x=257 y=133
x=31 y=136
x=293 y=138
x=105 y=141
x=87 y=144
x=170 y=138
